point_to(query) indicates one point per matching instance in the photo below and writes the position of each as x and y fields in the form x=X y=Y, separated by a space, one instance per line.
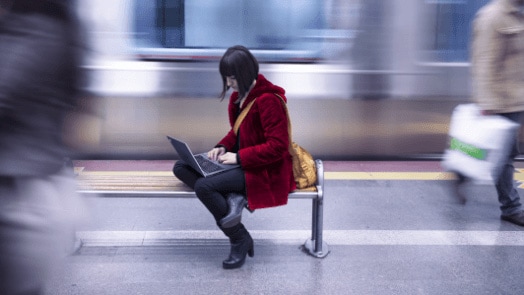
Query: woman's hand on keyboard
x=215 y=153
x=228 y=158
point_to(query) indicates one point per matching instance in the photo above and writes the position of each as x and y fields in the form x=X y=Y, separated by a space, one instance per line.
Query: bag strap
x=244 y=112
x=290 y=148
x=287 y=115
x=241 y=116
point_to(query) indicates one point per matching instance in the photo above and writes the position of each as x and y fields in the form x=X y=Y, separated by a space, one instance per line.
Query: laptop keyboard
x=207 y=165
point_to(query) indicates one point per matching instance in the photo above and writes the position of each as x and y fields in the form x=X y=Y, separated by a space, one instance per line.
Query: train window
x=201 y=29
x=452 y=28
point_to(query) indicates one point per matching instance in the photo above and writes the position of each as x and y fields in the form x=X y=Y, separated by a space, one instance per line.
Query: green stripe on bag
x=468 y=149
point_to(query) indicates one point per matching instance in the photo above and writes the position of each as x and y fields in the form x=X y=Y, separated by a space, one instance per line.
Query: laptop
x=200 y=162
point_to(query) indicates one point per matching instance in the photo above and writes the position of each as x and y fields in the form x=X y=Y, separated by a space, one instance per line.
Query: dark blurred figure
x=39 y=84
x=498 y=75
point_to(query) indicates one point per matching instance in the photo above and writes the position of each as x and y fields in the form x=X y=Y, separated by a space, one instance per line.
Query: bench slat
x=99 y=183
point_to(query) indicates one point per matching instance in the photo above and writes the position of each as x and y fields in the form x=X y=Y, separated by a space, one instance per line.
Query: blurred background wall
x=364 y=78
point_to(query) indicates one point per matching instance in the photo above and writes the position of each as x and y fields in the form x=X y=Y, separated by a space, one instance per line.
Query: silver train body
x=364 y=78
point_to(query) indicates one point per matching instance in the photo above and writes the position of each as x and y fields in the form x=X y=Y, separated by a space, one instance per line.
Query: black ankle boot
x=236 y=203
x=241 y=245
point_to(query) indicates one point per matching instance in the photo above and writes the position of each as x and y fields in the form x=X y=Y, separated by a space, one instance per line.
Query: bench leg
x=316 y=246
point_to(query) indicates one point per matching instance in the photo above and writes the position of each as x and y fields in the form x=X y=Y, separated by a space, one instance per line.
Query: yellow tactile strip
x=388 y=175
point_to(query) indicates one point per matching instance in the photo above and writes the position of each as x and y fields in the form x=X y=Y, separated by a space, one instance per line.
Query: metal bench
x=163 y=185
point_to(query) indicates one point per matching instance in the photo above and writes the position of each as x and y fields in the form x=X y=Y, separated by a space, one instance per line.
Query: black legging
x=212 y=190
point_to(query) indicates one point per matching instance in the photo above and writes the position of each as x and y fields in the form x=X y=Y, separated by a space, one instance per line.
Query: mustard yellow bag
x=304 y=168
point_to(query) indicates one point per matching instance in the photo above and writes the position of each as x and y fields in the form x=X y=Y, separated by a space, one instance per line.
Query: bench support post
x=316 y=245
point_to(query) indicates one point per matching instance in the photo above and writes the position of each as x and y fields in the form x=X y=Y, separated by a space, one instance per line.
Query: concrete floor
x=384 y=237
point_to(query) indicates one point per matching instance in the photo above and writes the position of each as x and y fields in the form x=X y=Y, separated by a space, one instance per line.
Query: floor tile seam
x=332 y=237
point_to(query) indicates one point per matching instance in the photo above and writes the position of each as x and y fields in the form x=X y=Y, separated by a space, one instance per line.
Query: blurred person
x=265 y=176
x=39 y=83
x=498 y=83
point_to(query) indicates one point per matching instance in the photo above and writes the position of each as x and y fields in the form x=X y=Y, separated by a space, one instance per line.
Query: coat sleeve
x=487 y=54
x=228 y=141
x=275 y=137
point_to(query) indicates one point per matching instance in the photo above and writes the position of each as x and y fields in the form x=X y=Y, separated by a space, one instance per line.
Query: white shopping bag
x=478 y=144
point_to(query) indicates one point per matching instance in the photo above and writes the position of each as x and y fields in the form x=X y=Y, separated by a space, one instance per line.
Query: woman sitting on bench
x=258 y=142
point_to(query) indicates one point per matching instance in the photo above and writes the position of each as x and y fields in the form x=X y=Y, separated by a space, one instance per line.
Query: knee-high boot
x=241 y=245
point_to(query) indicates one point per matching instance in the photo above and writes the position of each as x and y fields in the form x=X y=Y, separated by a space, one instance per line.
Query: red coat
x=264 y=143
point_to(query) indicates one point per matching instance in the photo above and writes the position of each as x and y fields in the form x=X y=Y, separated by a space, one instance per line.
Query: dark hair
x=238 y=61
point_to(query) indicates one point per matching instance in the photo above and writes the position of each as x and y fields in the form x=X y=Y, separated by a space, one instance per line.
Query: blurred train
x=364 y=78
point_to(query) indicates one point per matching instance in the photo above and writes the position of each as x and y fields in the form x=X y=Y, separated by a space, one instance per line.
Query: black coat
x=38 y=87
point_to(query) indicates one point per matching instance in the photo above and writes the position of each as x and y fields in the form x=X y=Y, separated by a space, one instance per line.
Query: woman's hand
x=228 y=158
x=215 y=153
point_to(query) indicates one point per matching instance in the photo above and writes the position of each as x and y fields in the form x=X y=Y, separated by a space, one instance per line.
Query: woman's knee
x=185 y=174
x=203 y=187
x=178 y=168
